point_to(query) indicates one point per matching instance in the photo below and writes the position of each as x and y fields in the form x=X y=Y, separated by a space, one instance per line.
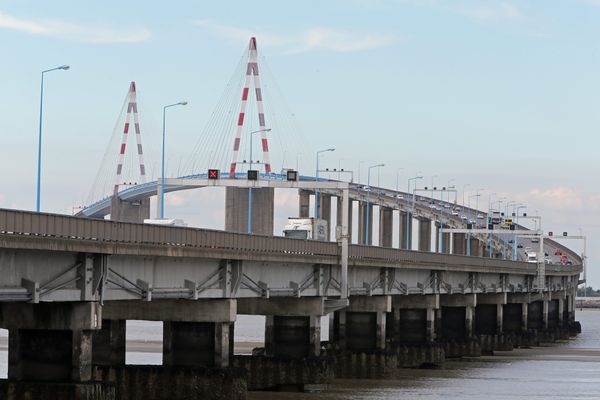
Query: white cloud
x=88 y=33
x=318 y=38
x=503 y=11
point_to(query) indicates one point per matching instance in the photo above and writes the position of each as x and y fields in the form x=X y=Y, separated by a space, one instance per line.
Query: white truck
x=165 y=221
x=532 y=257
x=306 y=228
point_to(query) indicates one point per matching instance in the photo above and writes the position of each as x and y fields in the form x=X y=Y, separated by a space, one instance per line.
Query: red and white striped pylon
x=131 y=109
x=251 y=70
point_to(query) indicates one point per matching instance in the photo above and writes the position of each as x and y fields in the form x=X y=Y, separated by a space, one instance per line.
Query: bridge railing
x=418 y=257
x=32 y=224
x=69 y=227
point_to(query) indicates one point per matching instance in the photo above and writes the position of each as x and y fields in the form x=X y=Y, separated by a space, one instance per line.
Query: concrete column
x=402 y=230
x=460 y=243
x=386 y=226
x=476 y=247
x=339 y=216
x=413 y=318
x=457 y=316
x=362 y=222
x=292 y=336
x=446 y=241
x=535 y=315
x=325 y=212
x=437 y=237
x=194 y=344
x=129 y=211
x=561 y=313
x=362 y=325
x=545 y=308
x=236 y=210
x=424 y=234
x=489 y=314
x=303 y=203
x=109 y=343
x=50 y=342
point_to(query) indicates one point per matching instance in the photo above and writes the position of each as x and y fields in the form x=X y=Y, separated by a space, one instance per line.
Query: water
x=568 y=370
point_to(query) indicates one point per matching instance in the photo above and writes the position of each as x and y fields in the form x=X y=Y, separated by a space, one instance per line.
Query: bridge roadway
x=70 y=283
x=382 y=197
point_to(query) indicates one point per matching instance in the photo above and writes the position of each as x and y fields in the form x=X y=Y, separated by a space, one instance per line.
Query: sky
x=500 y=95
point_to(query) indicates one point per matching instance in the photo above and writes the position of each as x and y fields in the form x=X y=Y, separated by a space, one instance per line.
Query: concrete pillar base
x=129 y=211
x=56 y=391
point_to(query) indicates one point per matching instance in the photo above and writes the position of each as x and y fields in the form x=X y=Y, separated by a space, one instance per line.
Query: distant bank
x=587 y=302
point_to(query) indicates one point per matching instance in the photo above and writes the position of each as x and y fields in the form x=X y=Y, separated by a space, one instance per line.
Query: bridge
x=451 y=288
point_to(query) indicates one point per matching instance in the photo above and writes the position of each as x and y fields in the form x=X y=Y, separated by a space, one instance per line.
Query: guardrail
x=68 y=227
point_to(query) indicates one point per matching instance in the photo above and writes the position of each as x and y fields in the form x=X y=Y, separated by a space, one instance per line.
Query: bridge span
x=70 y=283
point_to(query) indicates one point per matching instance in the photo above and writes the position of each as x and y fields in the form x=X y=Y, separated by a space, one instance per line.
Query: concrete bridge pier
x=386 y=226
x=412 y=331
x=236 y=210
x=197 y=339
x=489 y=321
x=402 y=230
x=459 y=245
x=358 y=339
x=456 y=325
x=291 y=359
x=324 y=212
x=424 y=234
x=339 y=216
x=129 y=210
x=50 y=351
x=304 y=203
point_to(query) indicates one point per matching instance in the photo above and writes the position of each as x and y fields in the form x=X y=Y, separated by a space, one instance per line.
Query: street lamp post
x=162 y=183
x=250 y=189
x=317 y=179
x=408 y=208
x=441 y=237
x=39 y=161
x=369 y=200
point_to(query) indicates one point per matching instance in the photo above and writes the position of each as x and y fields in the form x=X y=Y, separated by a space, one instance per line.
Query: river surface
x=565 y=370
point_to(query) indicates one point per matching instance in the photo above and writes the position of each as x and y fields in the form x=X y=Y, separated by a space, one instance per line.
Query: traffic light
x=512 y=227
x=213 y=174
x=292 y=175
x=491 y=227
x=550 y=233
x=252 y=174
x=565 y=234
x=469 y=226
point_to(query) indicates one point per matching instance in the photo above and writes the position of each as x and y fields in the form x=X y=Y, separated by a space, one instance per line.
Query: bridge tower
x=236 y=208
x=124 y=210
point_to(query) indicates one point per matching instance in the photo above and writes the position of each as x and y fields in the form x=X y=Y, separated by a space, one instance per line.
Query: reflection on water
x=568 y=370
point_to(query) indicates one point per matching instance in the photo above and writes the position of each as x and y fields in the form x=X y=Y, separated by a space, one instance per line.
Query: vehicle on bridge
x=306 y=228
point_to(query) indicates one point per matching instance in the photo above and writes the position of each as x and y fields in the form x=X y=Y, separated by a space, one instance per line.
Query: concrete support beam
x=236 y=210
x=282 y=306
x=402 y=230
x=386 y=226
x=304 y=203
x=129 y=211
x=205 y=310
x=424 y=234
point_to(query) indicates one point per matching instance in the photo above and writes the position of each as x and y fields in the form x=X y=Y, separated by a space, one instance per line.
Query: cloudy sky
x=500 y=95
